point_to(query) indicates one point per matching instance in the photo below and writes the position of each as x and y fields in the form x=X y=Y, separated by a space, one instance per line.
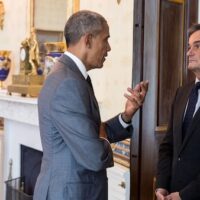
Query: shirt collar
x=79 y=63
x=197 y=80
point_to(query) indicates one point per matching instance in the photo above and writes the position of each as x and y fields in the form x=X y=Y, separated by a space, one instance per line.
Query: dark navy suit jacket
x=179 y=160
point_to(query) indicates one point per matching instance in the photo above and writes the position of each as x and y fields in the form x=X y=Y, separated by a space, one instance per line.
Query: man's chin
x=96 y=67
x=99 y=66
x=193 y=67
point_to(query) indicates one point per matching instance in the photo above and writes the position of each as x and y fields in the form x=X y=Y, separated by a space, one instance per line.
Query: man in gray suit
x=76 y=145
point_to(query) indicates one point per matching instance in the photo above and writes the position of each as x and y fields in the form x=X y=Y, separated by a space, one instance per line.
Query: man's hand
x=135 y=99
x=173 y=196
x=161 y=194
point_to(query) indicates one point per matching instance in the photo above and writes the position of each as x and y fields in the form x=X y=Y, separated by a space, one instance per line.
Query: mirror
x=48 y=15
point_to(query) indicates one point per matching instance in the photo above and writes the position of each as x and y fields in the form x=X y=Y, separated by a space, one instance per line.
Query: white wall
x=111 y=82
x=16 y=27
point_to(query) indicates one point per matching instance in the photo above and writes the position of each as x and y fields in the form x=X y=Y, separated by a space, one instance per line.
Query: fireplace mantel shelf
x=17 y=108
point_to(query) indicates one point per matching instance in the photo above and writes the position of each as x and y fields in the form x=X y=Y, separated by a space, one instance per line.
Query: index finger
x=144 y=86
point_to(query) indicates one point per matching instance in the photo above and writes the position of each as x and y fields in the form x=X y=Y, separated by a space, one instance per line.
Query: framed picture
x=2 y=13
x=48 y=19
x=121 y=151
x=51 y=16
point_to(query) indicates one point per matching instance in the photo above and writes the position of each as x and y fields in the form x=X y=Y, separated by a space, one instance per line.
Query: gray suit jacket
x=74 y=157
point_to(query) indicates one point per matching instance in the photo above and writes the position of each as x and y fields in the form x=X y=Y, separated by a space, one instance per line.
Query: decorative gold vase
x=5 y=64
x=54 y=51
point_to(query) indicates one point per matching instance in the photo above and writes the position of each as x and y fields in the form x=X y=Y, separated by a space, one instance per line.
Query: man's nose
x=190 y=52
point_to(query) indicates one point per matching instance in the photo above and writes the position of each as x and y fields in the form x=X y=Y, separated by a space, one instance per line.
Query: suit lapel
x=195 y=120
x=186 y=92
x=178 y=124
x=179 y=113
x=192 y=127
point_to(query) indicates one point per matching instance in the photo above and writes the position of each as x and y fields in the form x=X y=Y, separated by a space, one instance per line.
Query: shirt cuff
x=122 y=122
x=105 y=139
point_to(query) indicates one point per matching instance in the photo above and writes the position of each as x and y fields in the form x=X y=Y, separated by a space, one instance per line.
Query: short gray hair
x=81 y=23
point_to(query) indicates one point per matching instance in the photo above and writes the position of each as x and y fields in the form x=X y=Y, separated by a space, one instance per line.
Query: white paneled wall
x=16 y=29
x=1 y=164
x=111 y=82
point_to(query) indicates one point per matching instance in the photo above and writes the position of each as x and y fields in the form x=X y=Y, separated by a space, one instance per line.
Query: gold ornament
x=118 y=1
x=2 y=13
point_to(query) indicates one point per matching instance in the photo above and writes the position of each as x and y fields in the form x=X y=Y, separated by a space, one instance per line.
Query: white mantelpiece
x=21 y=127
x=17 y=108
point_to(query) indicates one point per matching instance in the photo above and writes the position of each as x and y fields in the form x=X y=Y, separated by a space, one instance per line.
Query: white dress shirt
x=198 y=100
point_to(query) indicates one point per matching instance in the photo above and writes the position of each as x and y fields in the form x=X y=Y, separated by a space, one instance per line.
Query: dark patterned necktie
x=88 y=79
x=193 y=97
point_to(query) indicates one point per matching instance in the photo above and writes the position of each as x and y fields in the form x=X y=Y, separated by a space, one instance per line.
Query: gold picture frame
x=49 y=26
x=39 y=12
x=2 y=13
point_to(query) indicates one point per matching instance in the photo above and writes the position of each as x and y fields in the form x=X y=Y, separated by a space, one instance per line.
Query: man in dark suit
x=76 y=145
x=178 y=175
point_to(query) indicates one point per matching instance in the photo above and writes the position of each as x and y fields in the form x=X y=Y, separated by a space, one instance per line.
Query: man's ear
x=88 y=40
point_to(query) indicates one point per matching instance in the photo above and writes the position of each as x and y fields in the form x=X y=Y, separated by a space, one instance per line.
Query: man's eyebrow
x=195 y=42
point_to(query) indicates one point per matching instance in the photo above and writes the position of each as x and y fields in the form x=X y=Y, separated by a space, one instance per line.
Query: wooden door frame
x=137 y=69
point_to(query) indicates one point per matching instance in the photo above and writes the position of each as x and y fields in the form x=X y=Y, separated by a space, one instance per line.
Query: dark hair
x=81 y=23
x=193 y=28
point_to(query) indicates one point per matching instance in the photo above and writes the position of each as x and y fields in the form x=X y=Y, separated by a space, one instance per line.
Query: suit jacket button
x=179 y=159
